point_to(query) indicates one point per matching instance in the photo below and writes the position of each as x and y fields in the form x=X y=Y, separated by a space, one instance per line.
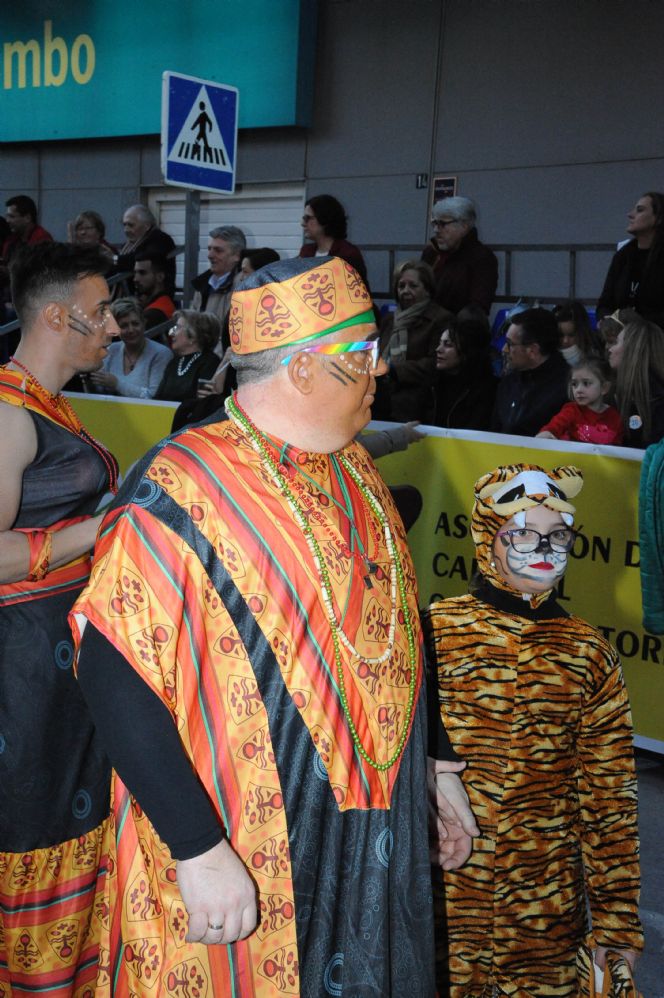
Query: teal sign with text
x=92 y=69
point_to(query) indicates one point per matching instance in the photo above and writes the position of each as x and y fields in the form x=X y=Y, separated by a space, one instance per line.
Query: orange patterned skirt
x=51 y=914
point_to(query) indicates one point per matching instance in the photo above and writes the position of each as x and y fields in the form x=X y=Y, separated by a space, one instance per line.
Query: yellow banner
x=127 y=427
x=602 y=583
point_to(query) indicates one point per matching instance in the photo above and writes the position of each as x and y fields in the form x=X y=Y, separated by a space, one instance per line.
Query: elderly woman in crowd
x=325 y=227
x=466 y=384
x=88 y=229
x=465 y=271
x=409 y=337
x=636 y=274
x=135 y=366
x=577 y=337
x=637 y=357
x=193 y=338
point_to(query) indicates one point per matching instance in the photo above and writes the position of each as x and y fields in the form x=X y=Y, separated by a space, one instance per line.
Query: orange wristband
x=41 y=543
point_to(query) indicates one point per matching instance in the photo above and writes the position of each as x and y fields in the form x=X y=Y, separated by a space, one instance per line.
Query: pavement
x=650 y=968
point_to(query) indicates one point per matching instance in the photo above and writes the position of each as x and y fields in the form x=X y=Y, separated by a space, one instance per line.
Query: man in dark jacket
x=212 y=288
x=535 y=387
x=466 y=270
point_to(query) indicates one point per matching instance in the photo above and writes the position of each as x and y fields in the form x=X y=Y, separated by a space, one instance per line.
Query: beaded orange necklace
x=58 y=410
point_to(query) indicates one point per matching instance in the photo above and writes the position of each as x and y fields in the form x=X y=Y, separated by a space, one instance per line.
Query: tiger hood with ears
x=509 y=491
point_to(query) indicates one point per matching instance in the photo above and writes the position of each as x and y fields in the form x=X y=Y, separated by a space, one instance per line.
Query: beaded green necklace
x=260 y=445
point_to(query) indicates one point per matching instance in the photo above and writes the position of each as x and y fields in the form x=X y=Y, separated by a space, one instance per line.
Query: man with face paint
x=251 y=648
x=54 y=777
x=534 y=701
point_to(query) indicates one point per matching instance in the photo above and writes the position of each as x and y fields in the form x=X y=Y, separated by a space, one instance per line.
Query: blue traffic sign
x=198 y=133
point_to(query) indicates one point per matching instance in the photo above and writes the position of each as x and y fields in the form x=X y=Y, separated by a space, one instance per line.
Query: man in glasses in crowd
x=466 y=270
x=534 y=386
x=252 y=652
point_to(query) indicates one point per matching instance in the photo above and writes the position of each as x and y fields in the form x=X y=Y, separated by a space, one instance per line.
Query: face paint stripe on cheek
x=337 y=377
x=79 y=326
x=342 y=373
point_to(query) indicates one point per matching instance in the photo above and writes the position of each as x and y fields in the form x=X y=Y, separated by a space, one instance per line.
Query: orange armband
x=41 y=543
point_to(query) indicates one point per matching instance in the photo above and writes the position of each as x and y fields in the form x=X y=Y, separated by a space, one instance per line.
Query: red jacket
x=578 y=422
x=37 y=235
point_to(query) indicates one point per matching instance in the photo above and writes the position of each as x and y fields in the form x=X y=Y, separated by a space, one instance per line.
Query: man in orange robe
x=251 y=652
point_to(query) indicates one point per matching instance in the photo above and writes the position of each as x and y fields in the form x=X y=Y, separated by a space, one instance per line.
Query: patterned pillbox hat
x=296 y=301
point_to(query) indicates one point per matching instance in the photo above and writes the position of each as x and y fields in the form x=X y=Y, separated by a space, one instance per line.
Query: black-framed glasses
x=442 y=223
x=307 y=218
x=524 y=540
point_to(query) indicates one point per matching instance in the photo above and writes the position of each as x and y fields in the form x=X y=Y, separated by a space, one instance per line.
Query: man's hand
x=217 y=891
x=453 y=824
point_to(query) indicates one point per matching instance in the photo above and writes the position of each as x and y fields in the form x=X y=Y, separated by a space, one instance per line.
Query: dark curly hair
x=330 y=214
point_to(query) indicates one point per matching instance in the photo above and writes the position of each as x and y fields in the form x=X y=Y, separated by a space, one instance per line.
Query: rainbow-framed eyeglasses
x=367 y=346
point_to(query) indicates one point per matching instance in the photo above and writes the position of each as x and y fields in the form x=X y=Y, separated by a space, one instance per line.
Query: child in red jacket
x=588 y=418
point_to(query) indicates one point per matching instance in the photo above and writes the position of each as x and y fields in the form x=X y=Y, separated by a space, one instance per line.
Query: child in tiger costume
x=533 y=699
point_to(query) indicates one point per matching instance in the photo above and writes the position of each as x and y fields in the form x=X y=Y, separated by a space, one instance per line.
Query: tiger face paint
x=536 y=571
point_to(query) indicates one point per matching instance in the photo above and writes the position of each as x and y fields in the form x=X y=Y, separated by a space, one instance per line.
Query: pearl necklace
x=183 y=370
x=397 y=580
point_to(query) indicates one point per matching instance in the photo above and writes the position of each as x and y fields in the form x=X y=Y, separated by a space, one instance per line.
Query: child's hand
x=600 y=955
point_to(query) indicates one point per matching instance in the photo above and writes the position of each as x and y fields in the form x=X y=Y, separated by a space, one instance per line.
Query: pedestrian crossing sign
x=198 y=133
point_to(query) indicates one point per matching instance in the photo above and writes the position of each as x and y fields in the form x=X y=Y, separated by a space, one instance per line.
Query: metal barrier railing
x=392 y=249
x=508 y=250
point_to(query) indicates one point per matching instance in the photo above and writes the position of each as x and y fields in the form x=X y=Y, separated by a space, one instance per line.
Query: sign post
x=192 y=229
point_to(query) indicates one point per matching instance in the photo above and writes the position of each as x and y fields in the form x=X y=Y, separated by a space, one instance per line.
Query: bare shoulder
x=18 y=440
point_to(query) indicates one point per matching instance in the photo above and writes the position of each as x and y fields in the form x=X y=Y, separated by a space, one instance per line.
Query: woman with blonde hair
x=134 y=365
x=637 y=356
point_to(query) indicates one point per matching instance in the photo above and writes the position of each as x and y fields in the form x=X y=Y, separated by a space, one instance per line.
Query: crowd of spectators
x=559 y=377
x=436 y=340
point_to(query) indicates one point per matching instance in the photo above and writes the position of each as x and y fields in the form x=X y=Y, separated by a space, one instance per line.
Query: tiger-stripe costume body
x=534 y=700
